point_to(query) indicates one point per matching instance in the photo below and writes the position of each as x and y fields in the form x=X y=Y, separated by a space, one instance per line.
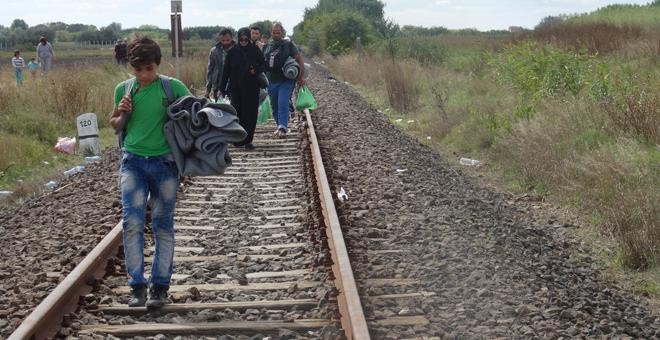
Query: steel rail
x=45 y=319
x=352 y=315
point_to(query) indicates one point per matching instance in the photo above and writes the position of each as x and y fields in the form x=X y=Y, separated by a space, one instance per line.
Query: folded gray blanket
x=199 y=132
x=291 y=68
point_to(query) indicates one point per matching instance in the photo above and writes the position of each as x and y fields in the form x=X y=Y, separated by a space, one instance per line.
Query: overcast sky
x=480 y=14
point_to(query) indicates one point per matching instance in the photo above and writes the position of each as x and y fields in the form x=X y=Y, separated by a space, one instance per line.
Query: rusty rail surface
x=45 y=319
x=352 y=316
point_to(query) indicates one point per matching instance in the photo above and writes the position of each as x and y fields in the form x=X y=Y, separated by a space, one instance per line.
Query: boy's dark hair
x=143 y=51
x=256 y=28
x=17 y=52
x=226 y=31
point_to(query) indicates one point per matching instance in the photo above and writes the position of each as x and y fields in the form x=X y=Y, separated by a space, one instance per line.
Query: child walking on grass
x=33 y=66
x=19 y=64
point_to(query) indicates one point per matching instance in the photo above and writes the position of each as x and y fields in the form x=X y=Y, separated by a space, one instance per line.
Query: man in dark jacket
x=242 y=65
x=217 y=61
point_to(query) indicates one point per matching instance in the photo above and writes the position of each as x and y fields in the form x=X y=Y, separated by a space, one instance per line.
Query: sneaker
x=282 y=133
x=138 y=296
x=157 y=296
x=249 y=146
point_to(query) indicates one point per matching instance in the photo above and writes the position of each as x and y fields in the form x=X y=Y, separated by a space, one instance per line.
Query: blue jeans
x=141 y=177
x=280 y=94
x=19 y=76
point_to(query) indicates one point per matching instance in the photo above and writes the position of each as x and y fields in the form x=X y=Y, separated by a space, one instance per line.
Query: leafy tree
x=58 y=26
x=335 y=32
x=201 y=32
x=264 y=26
x=148 y=28
x=115 y=27
x=35 y=32
x=108 y=33
x=372 y=10
x=74 y=28
x=550 y=21
x=18 y=24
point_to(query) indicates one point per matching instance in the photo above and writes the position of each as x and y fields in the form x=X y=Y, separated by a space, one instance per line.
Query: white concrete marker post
x=88 y=135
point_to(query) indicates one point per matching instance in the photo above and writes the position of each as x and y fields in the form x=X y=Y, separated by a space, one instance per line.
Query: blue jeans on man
x=280 y=94
x=158 y=178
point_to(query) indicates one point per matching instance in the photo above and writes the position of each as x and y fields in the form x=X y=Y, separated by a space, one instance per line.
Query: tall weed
x=401 y=88
x=635 y=110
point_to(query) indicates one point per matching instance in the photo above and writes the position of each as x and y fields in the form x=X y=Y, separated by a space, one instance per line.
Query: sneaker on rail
x=157 y=296
x=281 y=133
x=138 y=296
x=249 y=146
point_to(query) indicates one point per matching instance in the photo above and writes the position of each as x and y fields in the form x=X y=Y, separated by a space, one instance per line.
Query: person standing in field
x=45 y=55
x=147 y=169
x=242 y=66
x=280 y=88
x=120 y=52
x=18 y=64
x=217 y=62
x=33 y=66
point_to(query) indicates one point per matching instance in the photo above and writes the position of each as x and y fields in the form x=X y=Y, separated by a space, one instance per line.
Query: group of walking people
x=148 y=171
x=44 y=57
x=239 y=70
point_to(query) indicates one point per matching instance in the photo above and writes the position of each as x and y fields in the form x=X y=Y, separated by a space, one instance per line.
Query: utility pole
x=176 y=9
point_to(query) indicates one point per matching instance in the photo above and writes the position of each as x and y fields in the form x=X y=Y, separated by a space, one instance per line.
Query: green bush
x=336 y=32
x=542 y=71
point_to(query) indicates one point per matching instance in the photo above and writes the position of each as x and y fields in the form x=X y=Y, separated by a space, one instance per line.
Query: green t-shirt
x=144 y=132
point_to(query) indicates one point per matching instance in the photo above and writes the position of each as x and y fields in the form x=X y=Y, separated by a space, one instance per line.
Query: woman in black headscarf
x=243 y=64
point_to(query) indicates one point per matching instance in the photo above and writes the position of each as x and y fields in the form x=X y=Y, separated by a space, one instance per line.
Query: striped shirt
x=18 y=62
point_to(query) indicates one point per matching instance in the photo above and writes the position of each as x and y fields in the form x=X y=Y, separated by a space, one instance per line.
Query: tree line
x=19 y=34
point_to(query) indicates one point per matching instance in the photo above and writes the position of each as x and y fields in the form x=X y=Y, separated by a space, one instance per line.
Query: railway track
x=259 y=251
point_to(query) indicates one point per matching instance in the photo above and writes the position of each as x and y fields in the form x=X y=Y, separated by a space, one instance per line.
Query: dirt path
x=496 y=270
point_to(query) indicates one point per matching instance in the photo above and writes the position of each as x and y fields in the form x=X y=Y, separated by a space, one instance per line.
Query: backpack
x=128 y=87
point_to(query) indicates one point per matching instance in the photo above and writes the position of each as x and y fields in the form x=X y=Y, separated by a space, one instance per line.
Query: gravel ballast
x=493 y=267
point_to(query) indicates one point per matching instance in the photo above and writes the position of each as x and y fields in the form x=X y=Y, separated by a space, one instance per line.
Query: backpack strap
x=128 y=87
x=121 y=129
x=165 y=81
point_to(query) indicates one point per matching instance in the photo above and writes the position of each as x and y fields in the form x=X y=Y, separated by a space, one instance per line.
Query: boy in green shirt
x=147 y=169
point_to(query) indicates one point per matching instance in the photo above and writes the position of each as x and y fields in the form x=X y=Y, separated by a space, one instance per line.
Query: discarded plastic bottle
x=468 y=161
x=51 y=185
x=92 y=159
x=5 y=194
x=74 y=170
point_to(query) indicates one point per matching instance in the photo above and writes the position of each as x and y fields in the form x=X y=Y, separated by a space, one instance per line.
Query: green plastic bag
x=305 y=100
x=265 y=111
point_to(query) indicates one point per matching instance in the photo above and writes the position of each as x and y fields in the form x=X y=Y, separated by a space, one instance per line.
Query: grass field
x=576 y=126
x=82 y=80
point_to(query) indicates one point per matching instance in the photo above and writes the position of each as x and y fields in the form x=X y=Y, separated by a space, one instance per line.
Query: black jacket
x=240 y=60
